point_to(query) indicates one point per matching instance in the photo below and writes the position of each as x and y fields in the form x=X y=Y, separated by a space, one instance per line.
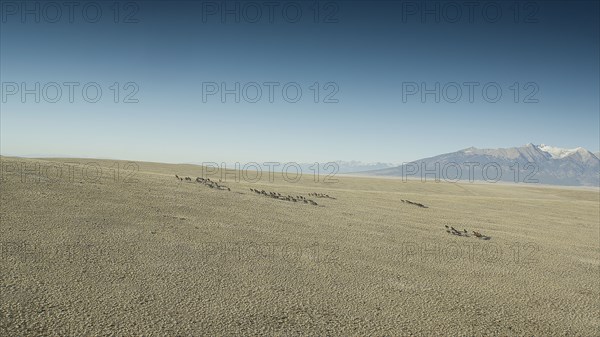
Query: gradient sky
x=372 y=49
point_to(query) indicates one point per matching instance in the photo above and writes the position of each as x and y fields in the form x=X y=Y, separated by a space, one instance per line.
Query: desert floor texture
x=135 y=251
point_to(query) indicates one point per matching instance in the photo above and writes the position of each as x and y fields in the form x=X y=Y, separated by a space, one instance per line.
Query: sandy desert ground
x=150 y=255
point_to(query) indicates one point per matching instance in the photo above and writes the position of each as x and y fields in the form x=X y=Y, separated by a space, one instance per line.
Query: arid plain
x=148 y=254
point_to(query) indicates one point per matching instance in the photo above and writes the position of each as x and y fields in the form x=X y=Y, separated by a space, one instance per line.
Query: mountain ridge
x=529 y=163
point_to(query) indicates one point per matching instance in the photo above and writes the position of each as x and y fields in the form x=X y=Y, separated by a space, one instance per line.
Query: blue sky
x=370 y=54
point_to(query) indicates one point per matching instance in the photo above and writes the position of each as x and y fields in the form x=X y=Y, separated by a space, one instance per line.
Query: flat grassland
x=143 y=253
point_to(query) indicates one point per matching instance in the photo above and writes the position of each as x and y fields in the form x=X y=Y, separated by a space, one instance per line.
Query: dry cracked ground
x=110 y=248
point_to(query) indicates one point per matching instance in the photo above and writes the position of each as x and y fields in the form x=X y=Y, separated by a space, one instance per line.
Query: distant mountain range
x=530 y=163
x=526 y=164
x=351 y=166
x=324 y=168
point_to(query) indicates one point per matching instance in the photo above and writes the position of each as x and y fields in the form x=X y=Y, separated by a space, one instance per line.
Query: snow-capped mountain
x=557 y=152
x=530 y=163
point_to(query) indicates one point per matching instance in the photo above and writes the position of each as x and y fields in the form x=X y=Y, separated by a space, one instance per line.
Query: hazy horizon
x=230 y=164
